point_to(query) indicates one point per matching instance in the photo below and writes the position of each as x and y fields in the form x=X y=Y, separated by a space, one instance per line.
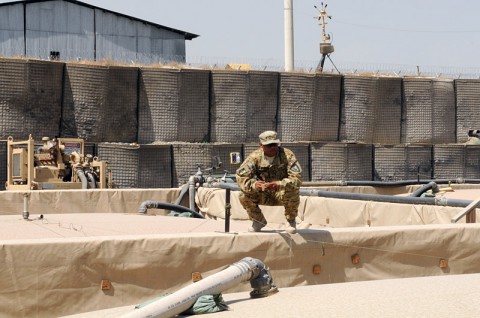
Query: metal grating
x=468 y=100
x=294 y=122
x=100 y=103
x=188 y=157
x=326 y=108
x=341 y=162
x=229 y=106
x=402 y=162
x=429 y=111
x=262 y=103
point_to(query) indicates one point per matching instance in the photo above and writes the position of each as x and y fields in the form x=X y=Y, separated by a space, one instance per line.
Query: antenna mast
x=326 y=47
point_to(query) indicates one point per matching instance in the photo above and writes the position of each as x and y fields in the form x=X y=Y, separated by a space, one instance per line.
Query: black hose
x=431 y=185
x=364 y=197
x=167 y=206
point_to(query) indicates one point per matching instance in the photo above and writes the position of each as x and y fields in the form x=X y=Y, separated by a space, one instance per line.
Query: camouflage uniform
x=285 y=169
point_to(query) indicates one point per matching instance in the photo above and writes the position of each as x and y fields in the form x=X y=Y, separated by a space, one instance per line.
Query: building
x=73 y=30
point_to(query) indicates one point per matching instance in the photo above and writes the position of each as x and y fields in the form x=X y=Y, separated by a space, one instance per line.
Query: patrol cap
x=268 y=137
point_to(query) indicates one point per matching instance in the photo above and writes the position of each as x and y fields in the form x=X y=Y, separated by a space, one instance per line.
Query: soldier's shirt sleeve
x=294 y=171
x=245 y=177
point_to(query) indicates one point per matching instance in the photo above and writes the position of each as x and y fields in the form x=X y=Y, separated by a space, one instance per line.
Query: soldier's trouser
x=289 y=198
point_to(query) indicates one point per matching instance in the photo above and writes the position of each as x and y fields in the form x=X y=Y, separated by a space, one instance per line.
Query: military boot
x=256 y=226
x=291 y=227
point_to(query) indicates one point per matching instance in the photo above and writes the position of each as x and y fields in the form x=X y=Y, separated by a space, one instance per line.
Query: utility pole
x=288 y=34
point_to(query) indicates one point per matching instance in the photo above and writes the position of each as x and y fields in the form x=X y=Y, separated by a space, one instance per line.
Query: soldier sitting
x=270 y=175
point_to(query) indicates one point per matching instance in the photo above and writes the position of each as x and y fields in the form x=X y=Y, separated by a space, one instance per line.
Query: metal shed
x=73 y=30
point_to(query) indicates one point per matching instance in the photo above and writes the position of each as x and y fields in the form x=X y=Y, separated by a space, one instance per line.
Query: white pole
x=288 y=17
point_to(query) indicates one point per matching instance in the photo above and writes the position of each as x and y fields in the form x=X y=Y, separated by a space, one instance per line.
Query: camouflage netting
x=243 y=104
x=100 y=103
x=403 y=162
x=30 y=98
x=429 y=111
x=138 y=166
x=301 y=151
x=456 y=161
x=468 y=101
x=170 y=101
x=371 y=110
x=188 y=157
x=341 y=162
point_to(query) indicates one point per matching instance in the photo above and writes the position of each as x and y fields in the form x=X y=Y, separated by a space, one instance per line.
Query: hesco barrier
x=30 y=97
x=456 y=161
x=243 y=105
x=188 y=157
x=429 y=111
x=341 y=161
x=138 y=166
x=3 y=164
x=468 y=101
x=325 y=108
x=100 y=103
x=171 y=100
x=371 y=109
x=403 y=162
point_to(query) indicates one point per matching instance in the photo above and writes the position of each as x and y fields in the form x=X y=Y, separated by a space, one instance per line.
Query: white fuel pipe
x=178 y=302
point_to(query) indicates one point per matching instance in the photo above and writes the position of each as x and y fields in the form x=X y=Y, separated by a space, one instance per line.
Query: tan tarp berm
x=54 y=265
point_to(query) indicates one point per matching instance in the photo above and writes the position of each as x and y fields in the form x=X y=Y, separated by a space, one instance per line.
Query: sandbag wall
x=349 y=127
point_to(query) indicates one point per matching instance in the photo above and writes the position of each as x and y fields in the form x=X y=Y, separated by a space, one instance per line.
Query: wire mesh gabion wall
x=3 y=164
x=30 y=98
x=138 y=166
x=468 y=100
x=211 y=158
x=402 y=162
x=100 y=103
x=171 y=99
x=325 y=108
x=341 y=161
x=456 y=161
x=243 y=104
x=371 y=109
x=429 y=111
x=295 y=109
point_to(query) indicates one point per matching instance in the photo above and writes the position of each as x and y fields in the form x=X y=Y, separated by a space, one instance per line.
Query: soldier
x=270 y=175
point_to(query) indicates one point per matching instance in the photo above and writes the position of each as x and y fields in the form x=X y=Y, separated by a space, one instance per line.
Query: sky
x=390 y=33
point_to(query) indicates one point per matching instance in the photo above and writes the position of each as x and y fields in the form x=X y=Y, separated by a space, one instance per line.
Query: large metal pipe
x=176 y=303
x=288 y=34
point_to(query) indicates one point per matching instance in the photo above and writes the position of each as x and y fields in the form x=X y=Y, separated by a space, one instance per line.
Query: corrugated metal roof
x=187 y=35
